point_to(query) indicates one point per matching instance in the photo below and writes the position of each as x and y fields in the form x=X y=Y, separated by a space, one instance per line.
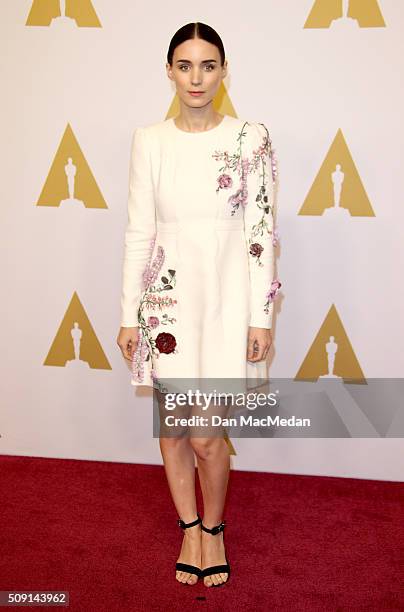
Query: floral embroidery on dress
x=235 y=162
x=149 y=347
x=275 y=236
x=259 y=161
x=243 y=166
x=272 y=294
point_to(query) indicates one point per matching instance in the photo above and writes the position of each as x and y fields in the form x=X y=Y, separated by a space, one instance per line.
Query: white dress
x=199 y=249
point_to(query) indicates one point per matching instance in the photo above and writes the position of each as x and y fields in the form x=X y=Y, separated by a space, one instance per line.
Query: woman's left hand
x=258 y=344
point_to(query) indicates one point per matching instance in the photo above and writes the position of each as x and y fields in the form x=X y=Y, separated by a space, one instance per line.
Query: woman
x=198 y=284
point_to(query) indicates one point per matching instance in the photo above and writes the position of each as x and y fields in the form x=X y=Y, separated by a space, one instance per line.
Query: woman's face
x=196 y=67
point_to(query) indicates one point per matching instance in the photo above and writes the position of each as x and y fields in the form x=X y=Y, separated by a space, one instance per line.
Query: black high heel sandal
x=216 y=569
x=185 y=567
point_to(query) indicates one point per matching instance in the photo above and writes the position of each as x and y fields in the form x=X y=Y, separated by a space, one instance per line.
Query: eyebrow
x=189 y=62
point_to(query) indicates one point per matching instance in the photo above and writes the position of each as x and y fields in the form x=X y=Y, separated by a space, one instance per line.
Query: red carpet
x=107 y=533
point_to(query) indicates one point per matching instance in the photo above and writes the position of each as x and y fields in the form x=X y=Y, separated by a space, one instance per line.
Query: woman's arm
x=259 y=224
x=141 y=227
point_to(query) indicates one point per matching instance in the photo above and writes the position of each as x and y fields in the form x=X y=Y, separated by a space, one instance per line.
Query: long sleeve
x=259 y=173
x=141 y=227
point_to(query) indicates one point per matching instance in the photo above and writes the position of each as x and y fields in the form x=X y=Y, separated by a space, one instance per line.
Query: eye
x=209 y=67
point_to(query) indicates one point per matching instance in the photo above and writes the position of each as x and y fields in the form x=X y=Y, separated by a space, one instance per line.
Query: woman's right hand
x=127 y=341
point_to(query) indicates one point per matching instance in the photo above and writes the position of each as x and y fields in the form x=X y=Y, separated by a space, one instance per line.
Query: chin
x=196 y=102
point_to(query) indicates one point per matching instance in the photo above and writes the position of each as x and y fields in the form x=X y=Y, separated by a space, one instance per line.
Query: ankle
x=193 y=532
x=211 y=524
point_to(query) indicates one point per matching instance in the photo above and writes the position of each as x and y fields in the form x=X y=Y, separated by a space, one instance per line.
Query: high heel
x=216 y=569
x=185 y=567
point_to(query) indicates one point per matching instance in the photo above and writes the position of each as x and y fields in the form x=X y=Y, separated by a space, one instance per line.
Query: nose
x=196 y=77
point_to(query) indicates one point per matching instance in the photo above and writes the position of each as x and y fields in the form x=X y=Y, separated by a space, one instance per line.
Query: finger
x=259 y=354
x=255 y=351
x=267 y=348
x=250 y=348
x=129 y=350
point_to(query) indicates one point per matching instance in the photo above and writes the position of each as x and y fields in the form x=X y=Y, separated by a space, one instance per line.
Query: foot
x=213 y=553
x=190 y=553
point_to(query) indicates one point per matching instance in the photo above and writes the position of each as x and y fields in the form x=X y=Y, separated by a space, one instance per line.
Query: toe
x=208 y=581
x=186 y=575
x=192 y=579
x=214 y=579
x=224 y=577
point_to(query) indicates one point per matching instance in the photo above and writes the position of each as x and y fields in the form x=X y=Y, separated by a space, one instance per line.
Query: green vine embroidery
x=235 y=162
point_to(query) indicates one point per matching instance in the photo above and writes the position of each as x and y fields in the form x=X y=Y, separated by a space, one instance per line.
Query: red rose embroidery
x=256 y=249
x=166 y=342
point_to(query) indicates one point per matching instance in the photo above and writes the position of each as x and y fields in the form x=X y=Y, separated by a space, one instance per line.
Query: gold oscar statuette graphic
x=345 y=15
x=331 y=354
x=337 y=189
x=76 y=344
x=70 y=182
x=221 y=103
x=63 y=14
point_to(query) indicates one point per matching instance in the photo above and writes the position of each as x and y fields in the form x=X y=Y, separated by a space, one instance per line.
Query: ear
x=169 y=71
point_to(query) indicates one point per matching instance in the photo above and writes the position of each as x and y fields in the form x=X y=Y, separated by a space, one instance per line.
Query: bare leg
x=213 y=470
x=179 y=463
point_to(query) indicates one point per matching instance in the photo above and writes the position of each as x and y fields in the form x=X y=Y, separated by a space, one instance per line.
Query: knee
x=203 y=447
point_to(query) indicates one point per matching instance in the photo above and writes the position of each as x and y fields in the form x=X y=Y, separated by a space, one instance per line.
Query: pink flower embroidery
x=153 y=322
x=148 y=347
x=272 y=294
x=151 y=271
x=274 y=162
x=275 y=236
x=147 y=268
x=241 y=195
x=155 y=301
x=139 y=357
x=225 y=181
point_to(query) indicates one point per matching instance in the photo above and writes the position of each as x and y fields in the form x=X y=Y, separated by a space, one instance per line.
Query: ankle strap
x=186 y=525
x=214 y=530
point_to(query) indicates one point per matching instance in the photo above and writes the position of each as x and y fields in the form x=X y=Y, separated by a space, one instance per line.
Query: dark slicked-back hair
x=195 y=30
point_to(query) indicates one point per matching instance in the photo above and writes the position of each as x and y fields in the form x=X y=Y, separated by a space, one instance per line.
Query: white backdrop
x=87 y=87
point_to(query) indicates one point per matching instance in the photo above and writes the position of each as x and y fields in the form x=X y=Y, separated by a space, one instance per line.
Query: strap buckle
x=215 y=530
x=218 y=528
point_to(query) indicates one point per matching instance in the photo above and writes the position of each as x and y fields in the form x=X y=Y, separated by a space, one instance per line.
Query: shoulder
x=153 y=130
x=152 y=135
x=260 y=144
x=252 y=133
x=258 y=130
